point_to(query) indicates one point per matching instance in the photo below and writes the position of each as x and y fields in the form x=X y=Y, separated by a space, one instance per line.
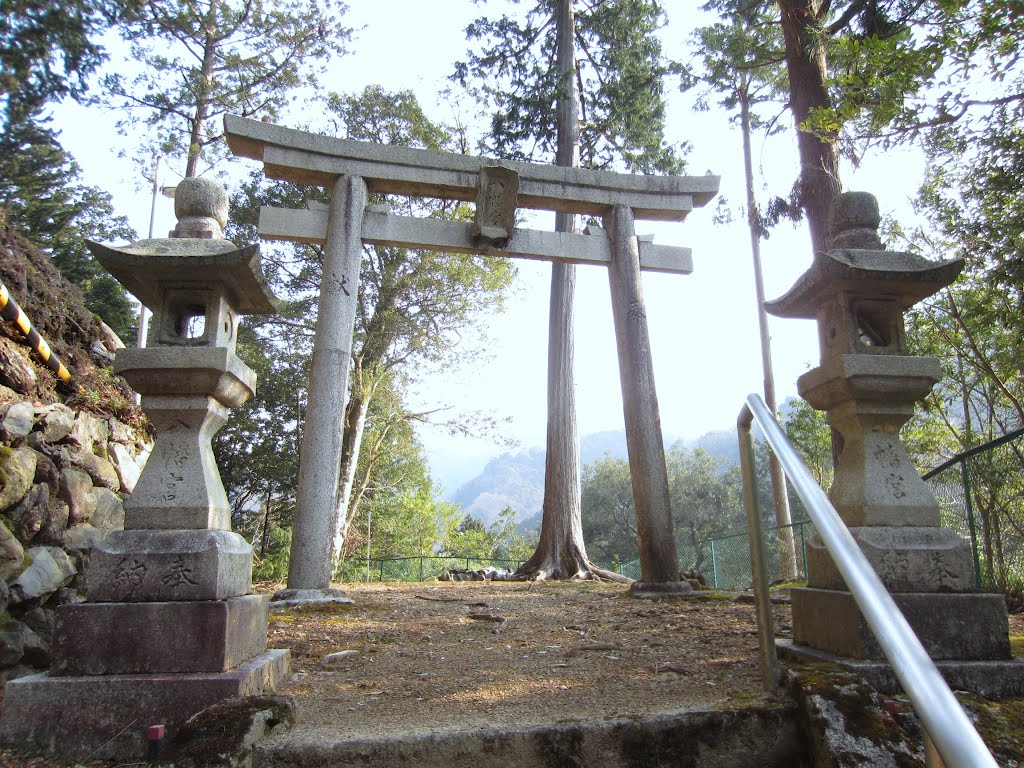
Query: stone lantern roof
x=858 y=265
x=142 y=266
x=196 y=251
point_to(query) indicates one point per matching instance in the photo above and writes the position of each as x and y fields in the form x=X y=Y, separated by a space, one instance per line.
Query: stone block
x=82 y=537
x=905 y=559
x=73 y=487
x=19 y=420
x=109 y=514
x=19 y=469
x=653 y=589
x=950 y=626
x=12 y=554
x=495 y=206
x=162 y=566
x=119 y=431
x=50 y=569
x=30 y=515
x=126 y=466
x=106 y=717
x=172 y=371
x=100 y=471
x=289 y=598
x=154 y=638
x=57 y=421
x=90 y=433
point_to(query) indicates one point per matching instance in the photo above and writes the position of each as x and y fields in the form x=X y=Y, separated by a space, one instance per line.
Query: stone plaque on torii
x=351 y=170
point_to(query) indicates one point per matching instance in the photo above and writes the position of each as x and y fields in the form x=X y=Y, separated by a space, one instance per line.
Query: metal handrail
x=944 y=720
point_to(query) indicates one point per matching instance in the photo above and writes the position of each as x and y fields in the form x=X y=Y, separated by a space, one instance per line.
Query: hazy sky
x=703 y=326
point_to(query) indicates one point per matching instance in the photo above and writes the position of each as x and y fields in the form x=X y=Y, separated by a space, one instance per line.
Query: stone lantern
x=170 y=626
x=867 y=384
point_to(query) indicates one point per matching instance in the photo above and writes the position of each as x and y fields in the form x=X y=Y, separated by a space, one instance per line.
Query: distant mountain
x=598 y=444
x=722 y=445
x=517 y=479
x=510 y=480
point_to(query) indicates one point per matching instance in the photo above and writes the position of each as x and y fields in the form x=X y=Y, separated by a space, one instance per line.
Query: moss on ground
x=1000 y=724
x=1017 y=645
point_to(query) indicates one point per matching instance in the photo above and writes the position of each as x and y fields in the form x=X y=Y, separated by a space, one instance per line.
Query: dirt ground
x=428 y=657
x=433 y=656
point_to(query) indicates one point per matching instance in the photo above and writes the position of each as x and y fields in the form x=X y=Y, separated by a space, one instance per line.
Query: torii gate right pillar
x=644 y=441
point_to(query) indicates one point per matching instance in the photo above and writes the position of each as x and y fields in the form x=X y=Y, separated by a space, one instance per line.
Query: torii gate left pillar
x=320 y=452
x=351 y=169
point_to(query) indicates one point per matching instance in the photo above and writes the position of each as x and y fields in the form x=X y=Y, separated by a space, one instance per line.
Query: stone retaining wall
x=63 y=475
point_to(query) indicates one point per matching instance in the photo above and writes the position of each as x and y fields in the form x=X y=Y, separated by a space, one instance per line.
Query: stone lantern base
x=993 y=679
x=106 y=716
x=950 y=626
x=170 y=629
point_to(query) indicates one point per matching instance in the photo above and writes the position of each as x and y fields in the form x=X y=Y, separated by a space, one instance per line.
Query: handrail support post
x=762 y=598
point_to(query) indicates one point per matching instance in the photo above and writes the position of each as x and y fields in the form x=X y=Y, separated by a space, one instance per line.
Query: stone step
x=763 y=737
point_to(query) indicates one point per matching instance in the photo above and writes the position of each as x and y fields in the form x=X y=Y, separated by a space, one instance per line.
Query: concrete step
x=761 y=738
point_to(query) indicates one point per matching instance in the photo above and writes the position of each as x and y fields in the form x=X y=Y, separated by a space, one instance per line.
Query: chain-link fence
x=415 y=568
x=981 y=497
x=724 y=561
x=980 y=494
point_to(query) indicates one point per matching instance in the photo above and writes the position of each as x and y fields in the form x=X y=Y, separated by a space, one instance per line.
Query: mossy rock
x=847 y=722
x=224 y=734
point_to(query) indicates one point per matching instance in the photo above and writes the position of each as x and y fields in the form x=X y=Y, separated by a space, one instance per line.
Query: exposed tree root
x=578 y=568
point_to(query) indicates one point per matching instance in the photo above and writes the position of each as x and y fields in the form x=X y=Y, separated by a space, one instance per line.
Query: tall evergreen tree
x=203 y=58
x=585 y=88
x=620 y=75
x=739 y=59
x=854 y=61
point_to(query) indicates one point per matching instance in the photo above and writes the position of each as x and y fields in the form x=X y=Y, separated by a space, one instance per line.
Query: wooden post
x=640 y=404
x=320 y=455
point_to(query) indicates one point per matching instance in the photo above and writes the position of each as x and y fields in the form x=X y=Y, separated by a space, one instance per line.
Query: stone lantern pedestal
x=170 y=626
x=867 y=384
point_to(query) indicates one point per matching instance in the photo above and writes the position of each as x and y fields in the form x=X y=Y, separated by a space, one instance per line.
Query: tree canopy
x=49 y=50
x=621 y=75
x=202 y=58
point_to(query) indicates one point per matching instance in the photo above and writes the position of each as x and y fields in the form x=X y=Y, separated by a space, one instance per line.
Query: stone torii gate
x=351 y=170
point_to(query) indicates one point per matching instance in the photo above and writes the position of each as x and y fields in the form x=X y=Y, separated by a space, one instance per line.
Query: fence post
x=421 y=567
x=803 y=546
x=382 y=569
x=714 y=565
x=970 y=522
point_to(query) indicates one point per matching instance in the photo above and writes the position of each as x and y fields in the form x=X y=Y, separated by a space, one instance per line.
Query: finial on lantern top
x=853 y=220
x=201 y=206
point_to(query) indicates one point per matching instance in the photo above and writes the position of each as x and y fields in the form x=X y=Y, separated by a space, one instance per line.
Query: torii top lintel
x=309 y=158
